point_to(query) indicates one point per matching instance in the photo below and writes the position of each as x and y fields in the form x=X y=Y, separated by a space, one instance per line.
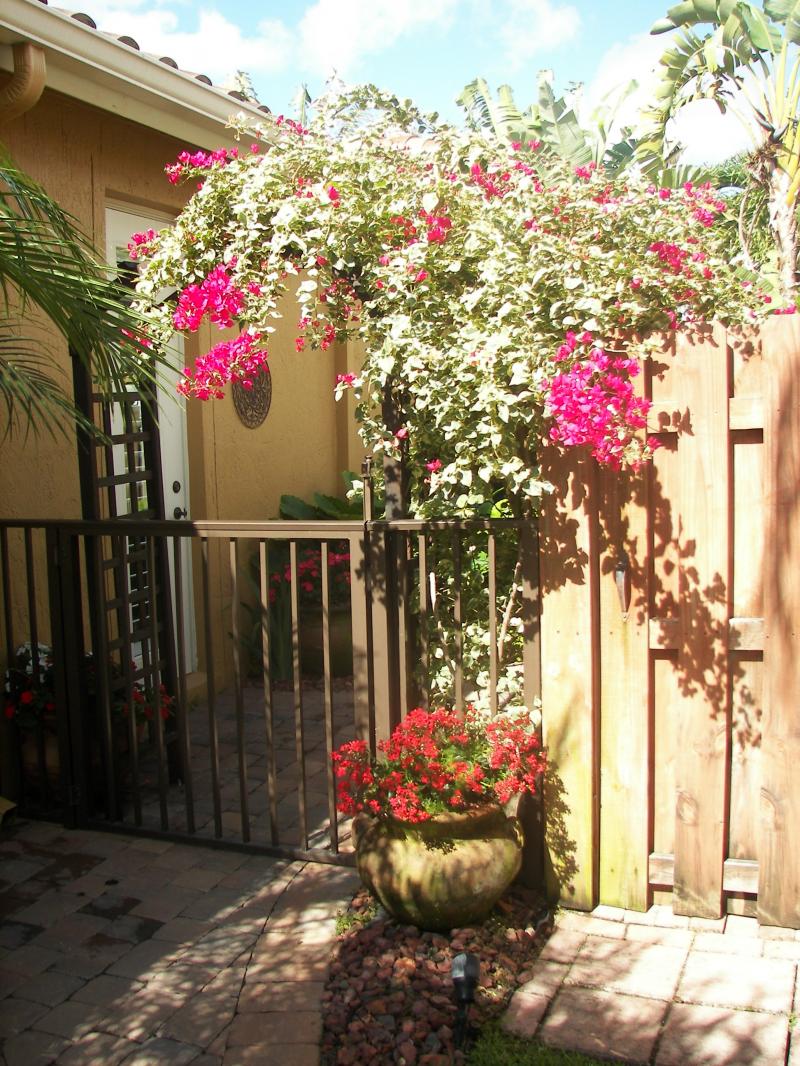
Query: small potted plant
x=30 y=704
x=432 y=838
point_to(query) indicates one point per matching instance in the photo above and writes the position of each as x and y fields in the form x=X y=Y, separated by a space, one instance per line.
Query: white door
x=120 y=224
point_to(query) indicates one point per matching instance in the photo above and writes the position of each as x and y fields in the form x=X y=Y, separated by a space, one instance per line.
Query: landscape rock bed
x=389 y=996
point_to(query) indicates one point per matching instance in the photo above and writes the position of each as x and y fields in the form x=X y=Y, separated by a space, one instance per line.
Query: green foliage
x=462 y=322
x=744 y=58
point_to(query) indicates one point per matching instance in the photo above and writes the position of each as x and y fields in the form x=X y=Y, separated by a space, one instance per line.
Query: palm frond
x=32 y=399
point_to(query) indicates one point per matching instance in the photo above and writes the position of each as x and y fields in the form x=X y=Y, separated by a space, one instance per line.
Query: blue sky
x=425 y=49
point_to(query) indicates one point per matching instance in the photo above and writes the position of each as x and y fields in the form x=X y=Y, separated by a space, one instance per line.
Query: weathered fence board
x=568 y=681
x=779 y=857
x=692 y=736
x=624 y=735
x=701 y=371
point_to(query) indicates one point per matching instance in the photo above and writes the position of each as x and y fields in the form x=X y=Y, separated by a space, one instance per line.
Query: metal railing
x=150 y=741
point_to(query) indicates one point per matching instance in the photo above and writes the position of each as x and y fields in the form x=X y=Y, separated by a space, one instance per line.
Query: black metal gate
x=239 y=757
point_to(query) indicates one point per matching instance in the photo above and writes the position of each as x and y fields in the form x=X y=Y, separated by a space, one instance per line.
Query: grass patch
x=353 y=919
x=496 y=1048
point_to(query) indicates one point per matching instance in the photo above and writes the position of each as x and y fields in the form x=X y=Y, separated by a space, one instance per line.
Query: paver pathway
x=119 y=949
x=662 y=989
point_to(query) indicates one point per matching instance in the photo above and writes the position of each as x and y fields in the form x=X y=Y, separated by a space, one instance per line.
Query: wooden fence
x=671 y=644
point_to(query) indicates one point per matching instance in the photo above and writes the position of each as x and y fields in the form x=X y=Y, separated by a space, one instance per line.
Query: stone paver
x=756 y=984
x=716 y=1036
x=33 y=1048
x=604 y=1023
x=525 y=1012
x=96 y=1049
x=186 y=969
x=663 y=989
x=650 y=970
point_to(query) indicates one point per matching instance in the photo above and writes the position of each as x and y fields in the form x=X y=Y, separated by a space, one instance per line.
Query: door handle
x=178 y=513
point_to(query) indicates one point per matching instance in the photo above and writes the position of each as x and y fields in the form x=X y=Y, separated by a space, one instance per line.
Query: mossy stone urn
x=444 y=873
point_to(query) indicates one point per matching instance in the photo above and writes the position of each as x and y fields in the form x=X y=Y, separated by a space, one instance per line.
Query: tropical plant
x=552 y=120
x=747 y=62
x=46 y=263
x=556 y=122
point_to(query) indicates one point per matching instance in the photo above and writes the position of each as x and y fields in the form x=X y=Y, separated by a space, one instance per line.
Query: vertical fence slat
x=33 y=622
x=182 y=709
x=233 y=550
x=702 y=372
x=458 y=620
x=300 y=752
x=568 y=689
x=360 y=622
x=424 y=617
x=328 y=697
x=269 y=713
x=779 y=857
x=155 y=685
x=492 y=591
x=120 y=551
x=531 y=614
x=102 y=665
x=403 y=632
x=213 y=742
x=624 y=701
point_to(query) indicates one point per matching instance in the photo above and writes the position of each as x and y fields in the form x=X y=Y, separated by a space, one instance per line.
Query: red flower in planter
x=437 y=761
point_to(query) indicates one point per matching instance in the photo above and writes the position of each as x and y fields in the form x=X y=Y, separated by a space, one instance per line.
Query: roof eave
x=81 y=61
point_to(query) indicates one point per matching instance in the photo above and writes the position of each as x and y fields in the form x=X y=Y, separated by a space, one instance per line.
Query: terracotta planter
x=441 y=874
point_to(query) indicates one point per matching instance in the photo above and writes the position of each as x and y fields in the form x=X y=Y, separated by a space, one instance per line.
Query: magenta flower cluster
x=141 y=244
x=220 y=157
x=216 y=297
x=237 y=360
x=593 y=402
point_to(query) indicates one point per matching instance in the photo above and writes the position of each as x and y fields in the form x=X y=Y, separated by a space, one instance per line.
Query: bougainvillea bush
x=490 y=285
x=437 y=761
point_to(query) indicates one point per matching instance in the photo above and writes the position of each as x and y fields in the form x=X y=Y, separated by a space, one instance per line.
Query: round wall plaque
x=252 y=405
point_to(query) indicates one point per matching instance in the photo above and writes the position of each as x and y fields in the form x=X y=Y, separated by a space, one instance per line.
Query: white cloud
x=530 y=26
x=217 y=47
x=337 y=34
x=708 y=136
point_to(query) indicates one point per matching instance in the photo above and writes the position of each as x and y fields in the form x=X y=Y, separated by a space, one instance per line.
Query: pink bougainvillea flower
x=141 y=244
x=237 y=360
x=216 y=296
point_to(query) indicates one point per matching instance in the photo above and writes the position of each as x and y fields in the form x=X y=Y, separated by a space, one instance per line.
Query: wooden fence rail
x=671 y=643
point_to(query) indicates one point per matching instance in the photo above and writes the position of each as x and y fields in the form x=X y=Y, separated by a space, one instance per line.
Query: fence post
x=363 y=699
x=570 y=667
x=531 y=808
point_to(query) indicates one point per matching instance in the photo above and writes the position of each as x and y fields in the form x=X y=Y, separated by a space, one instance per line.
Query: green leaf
x=293 y=507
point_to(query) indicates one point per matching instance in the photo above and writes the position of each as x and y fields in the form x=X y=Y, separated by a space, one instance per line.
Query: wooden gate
x=671 y=643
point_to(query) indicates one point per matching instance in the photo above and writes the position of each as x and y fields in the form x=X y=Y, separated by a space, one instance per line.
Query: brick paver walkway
x=118 y=949
x=662 y=989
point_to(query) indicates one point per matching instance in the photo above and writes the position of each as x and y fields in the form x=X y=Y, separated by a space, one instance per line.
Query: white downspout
x=27 y=82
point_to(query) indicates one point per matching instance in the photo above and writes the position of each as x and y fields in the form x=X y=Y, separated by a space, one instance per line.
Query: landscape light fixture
x=465 y=973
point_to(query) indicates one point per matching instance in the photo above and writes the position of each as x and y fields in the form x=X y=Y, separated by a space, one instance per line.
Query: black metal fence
x=181 y=677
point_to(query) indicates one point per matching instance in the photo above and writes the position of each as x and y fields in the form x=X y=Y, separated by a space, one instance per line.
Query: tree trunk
x=784 y=230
